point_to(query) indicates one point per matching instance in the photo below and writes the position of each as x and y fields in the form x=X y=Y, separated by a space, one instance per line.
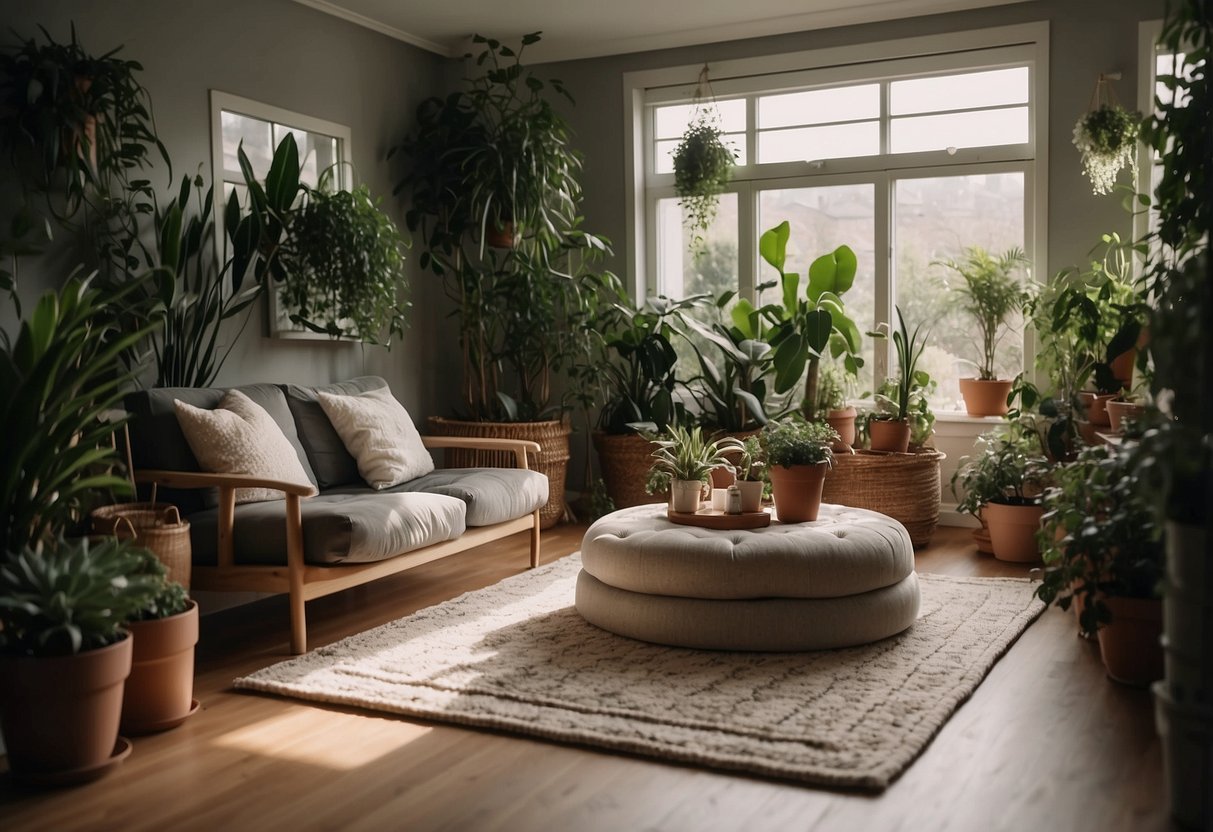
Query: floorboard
x=1046 y=742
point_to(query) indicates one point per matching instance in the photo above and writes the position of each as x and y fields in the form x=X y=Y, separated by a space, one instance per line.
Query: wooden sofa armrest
x=482 y=443
x=198 y=479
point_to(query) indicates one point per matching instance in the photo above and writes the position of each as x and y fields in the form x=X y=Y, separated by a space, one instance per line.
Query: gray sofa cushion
x=330 y=460
x=158 y=443
x=337 y=528
x=492 y=495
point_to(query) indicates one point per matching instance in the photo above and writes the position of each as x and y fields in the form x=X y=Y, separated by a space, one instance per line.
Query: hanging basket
x=902 y=486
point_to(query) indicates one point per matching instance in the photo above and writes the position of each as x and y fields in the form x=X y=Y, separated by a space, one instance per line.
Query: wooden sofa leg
x=535 y=541
x=294 y=563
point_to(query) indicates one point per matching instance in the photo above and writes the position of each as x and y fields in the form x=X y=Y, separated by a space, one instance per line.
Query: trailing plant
x=801 y=328
x=991 y=293
x=1107 y=139
x=1099 y=536
x=684 y=453
x=70 y=597
x=795 y=441
x=731 y=387
x=703 y=164
x=909 y=349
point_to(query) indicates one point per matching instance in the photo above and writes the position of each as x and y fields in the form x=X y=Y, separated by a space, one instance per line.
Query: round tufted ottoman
x=845 y=579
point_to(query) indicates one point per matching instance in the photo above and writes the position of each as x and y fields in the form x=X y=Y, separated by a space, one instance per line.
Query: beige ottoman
x=846 y=579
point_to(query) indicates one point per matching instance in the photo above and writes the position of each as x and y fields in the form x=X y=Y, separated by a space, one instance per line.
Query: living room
x=866 y=166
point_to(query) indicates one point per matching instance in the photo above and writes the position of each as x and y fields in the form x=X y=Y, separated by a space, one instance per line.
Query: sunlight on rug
x=517 y=657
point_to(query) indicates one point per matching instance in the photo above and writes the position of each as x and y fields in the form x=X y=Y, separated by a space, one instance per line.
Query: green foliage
x=909 y=349
x=1008 y=468
x=1107 y=139
x=169 y=597
x=753 y=462
x=795 y=441
x=703 y=166
x=732 y=383
x=684 y=453
x=991 y=293
x=1099 y=536
x=833 y=387
x=918 y=413
x=71 y=597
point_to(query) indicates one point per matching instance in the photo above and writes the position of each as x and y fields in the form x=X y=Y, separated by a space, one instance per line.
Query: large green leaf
x=773 y=245
x=833 y=272
x=789 y=360
x=282 y=182
x=817 y=328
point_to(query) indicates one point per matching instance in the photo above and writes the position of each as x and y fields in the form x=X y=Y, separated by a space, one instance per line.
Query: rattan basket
x=625 y=460
x=157 y=527
x=552 y=459
x=903 y=486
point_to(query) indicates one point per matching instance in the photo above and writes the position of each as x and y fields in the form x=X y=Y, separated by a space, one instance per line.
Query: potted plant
x=974 y=483
x=990 y=293
x=918 y=415
x=1009 y=474
x=889 y=428
x=798 y=454
x=750 y=469
x=159 y=692
x=1107 y=139
x=703 y=164
x=683 y=461
x=1103 y=551
x=731 y=387
x=833 y=385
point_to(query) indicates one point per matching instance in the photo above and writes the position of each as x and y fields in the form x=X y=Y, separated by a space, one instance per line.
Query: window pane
x=819 y=106
x=937 y=219
x=821 y=220
x=979 y=129
x=254 y=133
x=959 y=92
x=672 y=121
x=665 y=151
x=682 y=271
x=806 y=144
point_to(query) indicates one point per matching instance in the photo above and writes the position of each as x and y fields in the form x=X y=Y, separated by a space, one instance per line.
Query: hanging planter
x=1106 y=136
x=703 y=164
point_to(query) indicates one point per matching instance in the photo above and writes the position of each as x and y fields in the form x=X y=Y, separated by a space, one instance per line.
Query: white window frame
x=1025 y=43
x=227 y=102
x=1148 y=33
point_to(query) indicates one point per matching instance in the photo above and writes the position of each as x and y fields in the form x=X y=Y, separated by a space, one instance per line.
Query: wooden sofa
x=153 y=443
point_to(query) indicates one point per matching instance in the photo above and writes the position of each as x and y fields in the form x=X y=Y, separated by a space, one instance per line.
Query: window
x=908 y=159
x=259 y=128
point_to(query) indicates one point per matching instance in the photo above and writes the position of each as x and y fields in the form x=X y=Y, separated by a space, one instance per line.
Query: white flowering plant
x=1107 y=139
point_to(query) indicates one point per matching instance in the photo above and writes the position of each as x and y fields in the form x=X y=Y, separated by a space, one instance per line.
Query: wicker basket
x=903 y=486
x=552 y=459
x=157 y=527
x=625 y=460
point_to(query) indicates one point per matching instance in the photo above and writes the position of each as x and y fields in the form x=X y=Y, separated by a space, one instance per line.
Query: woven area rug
x=516 y=656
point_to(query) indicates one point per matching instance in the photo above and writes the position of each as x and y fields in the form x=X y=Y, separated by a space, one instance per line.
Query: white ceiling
x=590 y=28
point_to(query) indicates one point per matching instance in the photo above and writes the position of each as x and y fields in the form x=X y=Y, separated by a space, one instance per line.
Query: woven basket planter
x=903 y=486
x=625 y=460
x=552 y=459
x=157 y=527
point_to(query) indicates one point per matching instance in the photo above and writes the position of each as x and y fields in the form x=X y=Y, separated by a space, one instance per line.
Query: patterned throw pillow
x=239 y=437
x=380 y=436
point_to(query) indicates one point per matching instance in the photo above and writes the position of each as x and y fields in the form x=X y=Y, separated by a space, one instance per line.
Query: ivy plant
x=703 y=165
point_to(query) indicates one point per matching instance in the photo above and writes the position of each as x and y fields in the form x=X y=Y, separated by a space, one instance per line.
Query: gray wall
x=290 y=56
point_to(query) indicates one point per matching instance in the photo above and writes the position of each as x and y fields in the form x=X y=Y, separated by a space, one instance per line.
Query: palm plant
x=991 y=293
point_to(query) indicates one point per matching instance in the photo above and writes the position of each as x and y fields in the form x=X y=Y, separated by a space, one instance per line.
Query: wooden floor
x=1045 y=743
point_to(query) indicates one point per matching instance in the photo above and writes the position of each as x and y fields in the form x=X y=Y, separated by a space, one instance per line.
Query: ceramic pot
x=60 y=714
x=160 y=690
x=1118 y=411
x=889 y=435
x=751 y=495
x=797 y=491
x=686 y=495
x=1131 y=642
x=1013 y=531
x=985 y=398
x=1096 y=405
x=843 y=421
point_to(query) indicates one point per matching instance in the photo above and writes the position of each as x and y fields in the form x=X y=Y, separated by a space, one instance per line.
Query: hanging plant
x=1106 y=137
x=703 y=164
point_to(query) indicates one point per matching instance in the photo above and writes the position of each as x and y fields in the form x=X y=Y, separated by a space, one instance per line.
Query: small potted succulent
x=990 y=293
x=889 y=426
x=683 y=462
x=798 y=455
x=1010 y=473
x=749 y=469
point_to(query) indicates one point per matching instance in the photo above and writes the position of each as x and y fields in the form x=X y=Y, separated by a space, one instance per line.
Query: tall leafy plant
x=990 y=293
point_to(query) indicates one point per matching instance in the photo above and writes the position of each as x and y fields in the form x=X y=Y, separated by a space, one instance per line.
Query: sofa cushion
x=158 y=443
x=337 y=528
x=379 y=433
x=492 y=495
x=330 y=460
x=239 y=437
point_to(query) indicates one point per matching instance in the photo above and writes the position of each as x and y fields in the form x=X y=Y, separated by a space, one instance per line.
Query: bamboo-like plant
x=990 y=293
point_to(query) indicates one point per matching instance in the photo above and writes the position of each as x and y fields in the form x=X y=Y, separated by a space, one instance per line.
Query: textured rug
x=516 y=656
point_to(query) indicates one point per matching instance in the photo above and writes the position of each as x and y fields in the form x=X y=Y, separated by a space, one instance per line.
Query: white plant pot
x=751 y=495
x=685 y=495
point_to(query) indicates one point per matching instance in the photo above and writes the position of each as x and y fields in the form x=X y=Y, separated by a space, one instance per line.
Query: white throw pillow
x=239 y=437
x=379 y=435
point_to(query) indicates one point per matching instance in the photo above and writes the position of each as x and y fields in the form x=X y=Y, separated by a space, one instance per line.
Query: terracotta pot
x=722 y=477
x=751 y=494
x=797 y=491
x=1086 y=431
x=889 y=435
x=502 y=237
x=1119 y=410
x=1013 y=531
x=843 y=421
x=686 y=495
x=1122 y=367
x=1131 y=642
x=1096 y=405
x=625 y=461
x=60 y=714
x=985 y=398
x=160 y=690
x=982 y=537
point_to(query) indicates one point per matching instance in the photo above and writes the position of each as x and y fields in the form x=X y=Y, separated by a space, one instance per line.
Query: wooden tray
x=713 y=519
